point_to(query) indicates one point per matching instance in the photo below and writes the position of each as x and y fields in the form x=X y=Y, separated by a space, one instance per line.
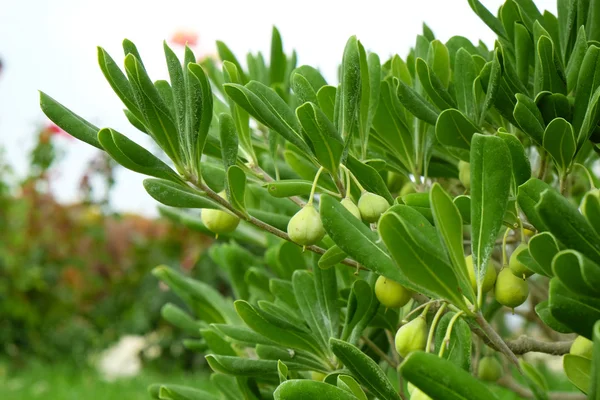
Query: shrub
x=520 y=122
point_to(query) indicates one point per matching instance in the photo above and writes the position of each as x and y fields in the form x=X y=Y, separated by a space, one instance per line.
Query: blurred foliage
x=74 y=278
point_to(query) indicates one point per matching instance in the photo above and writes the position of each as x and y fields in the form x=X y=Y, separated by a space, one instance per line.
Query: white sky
x=50 y=45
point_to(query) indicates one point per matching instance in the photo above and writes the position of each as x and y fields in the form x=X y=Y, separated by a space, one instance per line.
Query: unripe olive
x=489 y=369
x=510 y=290
x=464 y=173
x=517 y=267
x=371 y=206
x=417 y=394
x=395 y=181
x=305 y=227
x=218 y=221
x=350 y=206
x=408 y=188
x=488 y=280
x=390 y=293
x=317 y=376
x=411 y=337
x=582 y=347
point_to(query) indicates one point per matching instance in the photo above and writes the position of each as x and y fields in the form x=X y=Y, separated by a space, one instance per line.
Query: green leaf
x=258 y=321
x=463 y=204
x=571 y=228
x=450 y=227
x=535 y=380
x=464 y=78
x=570 y=266
x=176 y=195
x=490 y=187
x=178 y=392
x=369 y=178
x=199 y=112
x=528 y=196
x=416 y=248
x=280 y=353
x=229 y=140
x=357 y=240
x=542 y=309
x=350 y=89
x=70 y=122
x=134 y=157
x=278 y=66
x=291 y=187
x=364 y=369
x=433 y=86
x=523 y=52
x=578 y=370
x=327 y=143
x=360 y=310
x=156 y=114
x=327 y=294
x=217 y=343
x=181 y=319
x=576 y=59
x=416 y=104
x=282 y=370
x=547 y=76
x=439 y=60
x=348 y=383
x=521 y=168
x=313 y=76
x=243 y=334
x=458 y=349
x=595 y=384
x=240 y=366
x=590 y=208
x=326 y=96
x=491 y=74
x=391 y=128
x=559 y=141
x=303 y=89
x=332 y=257
x=577 y=312
x=454 y=129
x=265 y=105
x=441 y=379
x=178 y=84
x=304 y=389
x=588 y=81
x=306 y=296
x=236 y=187
x=206 y=302
x=542 y=248
x=225 y=54
x=529 y=118
x=488 y=18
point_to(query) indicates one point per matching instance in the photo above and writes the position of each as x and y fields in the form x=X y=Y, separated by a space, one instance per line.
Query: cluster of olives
x=510 y=287
x=305 y=227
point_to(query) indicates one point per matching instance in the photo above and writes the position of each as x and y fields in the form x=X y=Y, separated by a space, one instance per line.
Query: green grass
x=66 y=382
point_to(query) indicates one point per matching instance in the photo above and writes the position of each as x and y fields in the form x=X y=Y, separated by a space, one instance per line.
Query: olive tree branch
x=496 y=340
x=263 y=225
x=379 y=352
x=509 y=383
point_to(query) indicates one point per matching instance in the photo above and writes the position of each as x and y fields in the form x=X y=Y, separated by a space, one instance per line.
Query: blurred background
x=78 y=236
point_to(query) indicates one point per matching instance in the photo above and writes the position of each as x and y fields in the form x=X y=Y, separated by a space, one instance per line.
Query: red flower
x=183 y=38
x=56 y=130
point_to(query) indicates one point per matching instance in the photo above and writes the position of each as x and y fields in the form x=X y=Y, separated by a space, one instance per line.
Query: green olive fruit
x=517 y=267
x=350 y=206
x=489 y=369
x=371 y=206
x=305 y=227
x=417 y=394
x=510 y=290
x=582 y=347
x=411 y=337
x=395 y=181
x=317 y=376
x=408 y=188
x=488 y=280
x=464 y=173
x=390 y=293
x=218 y=221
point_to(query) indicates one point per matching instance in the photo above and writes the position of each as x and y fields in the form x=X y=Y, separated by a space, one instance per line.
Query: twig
x=379 y=352
x=494 y=338
x=525 y=344
x=267 y=178
x=264 y=226
x=510 y=383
